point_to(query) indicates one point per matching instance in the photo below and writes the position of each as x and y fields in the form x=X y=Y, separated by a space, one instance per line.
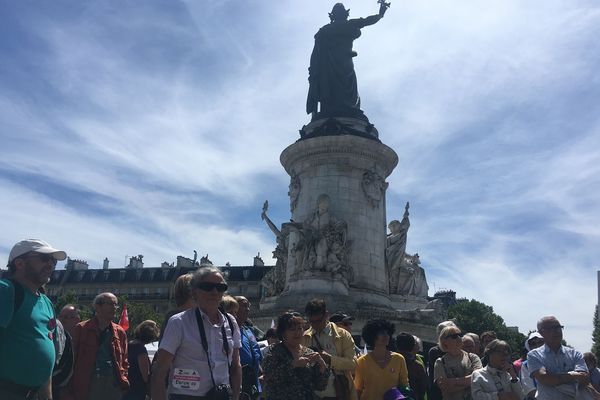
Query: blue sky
x=155 y=128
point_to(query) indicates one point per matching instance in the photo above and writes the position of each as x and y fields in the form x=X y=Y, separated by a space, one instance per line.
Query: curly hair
x=287 y=321
x=375 y=327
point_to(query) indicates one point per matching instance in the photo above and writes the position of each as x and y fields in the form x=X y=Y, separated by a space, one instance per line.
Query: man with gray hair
x=100 y=346
x=560 y=371
x=200 y=349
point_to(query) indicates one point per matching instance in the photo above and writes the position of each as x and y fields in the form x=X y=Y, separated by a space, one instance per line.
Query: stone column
x=351 y=171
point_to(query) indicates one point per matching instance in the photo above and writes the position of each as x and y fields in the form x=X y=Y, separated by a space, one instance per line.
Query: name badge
x=186 y=379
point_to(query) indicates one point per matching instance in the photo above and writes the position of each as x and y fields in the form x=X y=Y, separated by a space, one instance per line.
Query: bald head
x=69 y=317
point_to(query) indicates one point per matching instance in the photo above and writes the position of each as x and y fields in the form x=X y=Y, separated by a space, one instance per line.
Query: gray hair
x=98 y=299
x=201 y=274
x=473 y=336
x=542 y=320
x=443 y=325
x=494 y=345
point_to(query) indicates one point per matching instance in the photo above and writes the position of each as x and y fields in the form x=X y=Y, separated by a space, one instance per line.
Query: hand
x=580 y=377
x=316 y=358
x=326 y=357
x=301 y=362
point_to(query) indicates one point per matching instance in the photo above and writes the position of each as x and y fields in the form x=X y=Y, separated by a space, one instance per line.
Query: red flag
x=124 y=320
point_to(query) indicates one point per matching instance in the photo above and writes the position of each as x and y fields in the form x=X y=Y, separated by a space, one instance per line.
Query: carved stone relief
x=373 y=187
x=294 y=191
x=323 y=244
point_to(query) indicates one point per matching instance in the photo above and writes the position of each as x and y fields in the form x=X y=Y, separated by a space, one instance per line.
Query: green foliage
x=477 y=317
x=85 y=311
x=596 y=335
x=137 y=313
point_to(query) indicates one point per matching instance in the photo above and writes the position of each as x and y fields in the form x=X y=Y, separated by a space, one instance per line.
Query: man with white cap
x=27 y=322
x=529 y=385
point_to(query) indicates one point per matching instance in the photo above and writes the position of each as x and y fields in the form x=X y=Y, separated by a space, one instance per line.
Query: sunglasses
x=208 y=286
x=454 y=336
x=109 y=303
x=43 y=257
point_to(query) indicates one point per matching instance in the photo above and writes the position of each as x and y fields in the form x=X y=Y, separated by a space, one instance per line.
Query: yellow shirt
x=374 y=381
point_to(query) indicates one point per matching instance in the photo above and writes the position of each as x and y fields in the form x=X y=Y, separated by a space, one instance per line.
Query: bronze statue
x=331 y=76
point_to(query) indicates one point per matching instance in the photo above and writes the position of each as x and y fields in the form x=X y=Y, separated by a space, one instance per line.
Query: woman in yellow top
x=381 y=369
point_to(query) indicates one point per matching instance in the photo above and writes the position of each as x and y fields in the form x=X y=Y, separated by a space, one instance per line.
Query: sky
x=155 y=128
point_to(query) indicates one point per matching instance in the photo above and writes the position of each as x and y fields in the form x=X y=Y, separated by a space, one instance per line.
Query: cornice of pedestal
x=363 y=152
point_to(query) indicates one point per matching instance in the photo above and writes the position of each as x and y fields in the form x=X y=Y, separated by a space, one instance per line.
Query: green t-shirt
x=26 y=346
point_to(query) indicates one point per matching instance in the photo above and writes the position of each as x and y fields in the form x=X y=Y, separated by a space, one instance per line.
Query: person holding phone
x=497 y=380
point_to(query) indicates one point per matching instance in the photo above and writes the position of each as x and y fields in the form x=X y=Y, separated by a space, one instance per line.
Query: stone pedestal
x=349 y=172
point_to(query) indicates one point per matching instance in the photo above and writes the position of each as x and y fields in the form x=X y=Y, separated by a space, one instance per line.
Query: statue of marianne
x=331 y=76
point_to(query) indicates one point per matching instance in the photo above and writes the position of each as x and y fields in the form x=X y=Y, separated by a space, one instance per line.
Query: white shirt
x=487 y=382
x=190 y=374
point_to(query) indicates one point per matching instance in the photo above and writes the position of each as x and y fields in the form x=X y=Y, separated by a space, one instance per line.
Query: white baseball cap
x=36 y=245
x=532 y=335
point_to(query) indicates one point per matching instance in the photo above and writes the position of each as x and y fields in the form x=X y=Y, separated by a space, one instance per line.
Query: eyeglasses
x=454 y=336
x=109 y=303
x=208 y=286
x=554 y=328
x=45 y=258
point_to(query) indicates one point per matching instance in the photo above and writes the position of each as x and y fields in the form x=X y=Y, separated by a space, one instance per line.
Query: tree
x=477 y=317
x=596 y=335
x=137 y=313
x=85 y=312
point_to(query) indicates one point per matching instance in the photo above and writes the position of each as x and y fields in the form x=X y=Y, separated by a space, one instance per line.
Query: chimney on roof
x=105 y=263
x=76 y=265
x=136 y=262
x=258 y=262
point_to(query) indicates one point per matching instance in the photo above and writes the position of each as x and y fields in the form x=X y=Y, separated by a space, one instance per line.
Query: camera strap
x=205 y=342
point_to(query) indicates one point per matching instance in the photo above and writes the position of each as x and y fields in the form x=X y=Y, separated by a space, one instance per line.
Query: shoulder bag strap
x=204 y=343
x=317 y=340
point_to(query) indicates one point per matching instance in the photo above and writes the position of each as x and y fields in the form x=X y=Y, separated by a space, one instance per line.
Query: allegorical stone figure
x=331 y=76
x=407 y=277
x=396 y=248
x=274 y=280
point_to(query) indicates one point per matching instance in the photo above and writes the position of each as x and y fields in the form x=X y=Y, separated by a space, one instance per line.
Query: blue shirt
x=563 y=361
x=249 y=346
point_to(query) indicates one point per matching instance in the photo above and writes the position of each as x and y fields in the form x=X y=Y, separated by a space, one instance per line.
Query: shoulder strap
x=19 y=294
x=204 y=343
x=314 y=336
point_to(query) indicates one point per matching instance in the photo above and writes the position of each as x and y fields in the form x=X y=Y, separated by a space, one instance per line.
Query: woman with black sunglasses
x=452 y=372
x=199 y=351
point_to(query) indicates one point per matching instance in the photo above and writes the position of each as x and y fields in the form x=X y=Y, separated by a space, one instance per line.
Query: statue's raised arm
x=333 y=90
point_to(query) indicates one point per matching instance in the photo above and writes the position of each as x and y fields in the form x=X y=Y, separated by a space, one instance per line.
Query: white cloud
x=172 y=121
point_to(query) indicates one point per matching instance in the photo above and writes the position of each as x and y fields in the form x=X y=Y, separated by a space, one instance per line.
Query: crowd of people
x=209 y=349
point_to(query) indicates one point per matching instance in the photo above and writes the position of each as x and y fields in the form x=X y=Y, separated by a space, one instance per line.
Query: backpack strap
x=19 y=294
